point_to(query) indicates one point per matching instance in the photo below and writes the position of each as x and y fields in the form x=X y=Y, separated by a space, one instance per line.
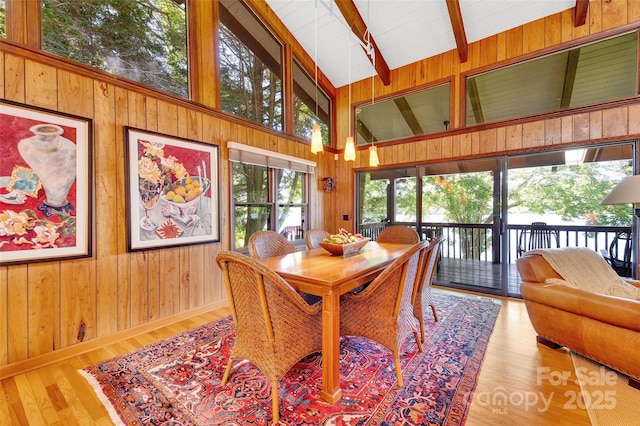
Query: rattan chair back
x=429 y=255
x=314 y=237
x=383 y=311
x=263 y=244
x=274 y=326
x=398 y=234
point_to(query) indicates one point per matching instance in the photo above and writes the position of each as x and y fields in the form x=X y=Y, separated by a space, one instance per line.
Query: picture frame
x=46 y=185
x=172 y=190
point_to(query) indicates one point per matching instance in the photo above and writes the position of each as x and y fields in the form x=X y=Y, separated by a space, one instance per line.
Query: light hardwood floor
x=515 y=369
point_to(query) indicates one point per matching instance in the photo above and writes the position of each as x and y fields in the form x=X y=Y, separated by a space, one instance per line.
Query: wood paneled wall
x=614 y=122
x=43 y=305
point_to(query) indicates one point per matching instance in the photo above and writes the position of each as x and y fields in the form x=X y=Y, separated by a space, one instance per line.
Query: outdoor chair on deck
x=263 y=305
x=429 y=256
x=383 y=311
x=398 y=234
x=539 y=236
x=619 y=254
x=263 y=244
x=314 y=237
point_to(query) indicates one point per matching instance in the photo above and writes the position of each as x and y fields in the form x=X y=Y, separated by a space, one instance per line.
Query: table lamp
x=627 y=191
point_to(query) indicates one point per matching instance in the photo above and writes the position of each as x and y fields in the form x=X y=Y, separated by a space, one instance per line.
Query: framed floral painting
x=45 y=185
x=172 y=191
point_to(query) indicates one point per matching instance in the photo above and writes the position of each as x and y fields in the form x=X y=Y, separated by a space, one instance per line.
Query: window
x=597 y=72
x=269 y=192
x=144 y=41
x=250 y=67
x=418 y=113
x=305 y=93
x=3 y=13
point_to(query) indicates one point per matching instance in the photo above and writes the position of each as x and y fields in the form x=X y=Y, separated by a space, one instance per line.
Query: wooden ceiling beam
x=453 y=6
x=408 y=115
x=569 y=78
x=580 y=12
x=359 y=28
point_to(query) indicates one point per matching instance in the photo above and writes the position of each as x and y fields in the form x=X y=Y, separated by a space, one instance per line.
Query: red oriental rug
x=177 y=381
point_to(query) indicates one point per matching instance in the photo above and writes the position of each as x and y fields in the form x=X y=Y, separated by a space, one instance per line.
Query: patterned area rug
x=177 y=381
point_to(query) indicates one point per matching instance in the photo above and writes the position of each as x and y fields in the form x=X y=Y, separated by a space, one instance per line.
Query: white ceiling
x=405 y=31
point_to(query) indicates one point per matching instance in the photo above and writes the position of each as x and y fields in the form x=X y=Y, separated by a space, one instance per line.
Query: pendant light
x=316 y=135
x=349 y=146
x=374 y=161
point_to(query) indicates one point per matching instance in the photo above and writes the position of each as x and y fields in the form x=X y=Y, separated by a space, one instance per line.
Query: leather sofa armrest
x=535 y=268
x=612 y=310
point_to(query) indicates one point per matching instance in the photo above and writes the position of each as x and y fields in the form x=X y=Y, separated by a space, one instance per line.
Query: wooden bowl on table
x=344 y=249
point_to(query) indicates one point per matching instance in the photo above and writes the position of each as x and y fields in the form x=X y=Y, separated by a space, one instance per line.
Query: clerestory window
x=144 y=40
x=598 y=72
x=250 y=67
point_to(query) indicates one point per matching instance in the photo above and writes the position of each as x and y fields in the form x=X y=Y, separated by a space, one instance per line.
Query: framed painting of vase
x=45 y=185
x=172 y=191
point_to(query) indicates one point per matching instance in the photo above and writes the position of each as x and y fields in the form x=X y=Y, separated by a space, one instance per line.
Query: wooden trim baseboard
x=43 y=360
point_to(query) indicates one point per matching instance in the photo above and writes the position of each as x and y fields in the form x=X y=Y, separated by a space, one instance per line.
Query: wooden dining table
x=318 y=272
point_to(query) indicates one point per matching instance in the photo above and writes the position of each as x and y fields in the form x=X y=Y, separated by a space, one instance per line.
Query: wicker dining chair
x=314 y=237
x=398 y=234
x=382 y=311
x=274 y=326
x=263 y=244
x=429 y=255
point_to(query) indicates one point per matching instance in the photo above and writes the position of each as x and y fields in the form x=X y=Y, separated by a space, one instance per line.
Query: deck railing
x=475 y=241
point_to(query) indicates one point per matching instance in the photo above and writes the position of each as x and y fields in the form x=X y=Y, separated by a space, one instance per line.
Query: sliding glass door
x=491 y=211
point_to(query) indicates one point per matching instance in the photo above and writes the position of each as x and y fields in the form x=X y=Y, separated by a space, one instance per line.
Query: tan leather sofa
x=603 y=328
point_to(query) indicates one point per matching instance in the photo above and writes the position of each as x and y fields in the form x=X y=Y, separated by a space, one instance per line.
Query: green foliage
x=3 y=20
x=249 y=88
x=572 y=192
x=142 y=40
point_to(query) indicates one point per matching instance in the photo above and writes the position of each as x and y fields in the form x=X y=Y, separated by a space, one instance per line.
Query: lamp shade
x=373 y=156
x=316 y=139
x=627 y=191
x=350 y=150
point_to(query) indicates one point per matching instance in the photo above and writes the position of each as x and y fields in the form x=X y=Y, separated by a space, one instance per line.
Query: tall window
x=597 y=72
x=144 y=40
x=305 y=93
x=250 y=67
x=268 y=193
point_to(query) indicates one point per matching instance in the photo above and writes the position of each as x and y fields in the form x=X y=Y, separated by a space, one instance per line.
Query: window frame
x=273 y=162
x=537 y=55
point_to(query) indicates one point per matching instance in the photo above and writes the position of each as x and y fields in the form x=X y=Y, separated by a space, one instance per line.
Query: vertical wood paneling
x=106 y=208
x=553 y=131
x=75 y=94
x=614 y=13
x=43 y=298
x=41 y=85
x=614 y=122
x=2 y=74
x=77 y=301
x=595 y=128
x=4 y=306
x=581 y=127
x=14 y=77
x=567 y=129
x=17 y=313
x=123 y=259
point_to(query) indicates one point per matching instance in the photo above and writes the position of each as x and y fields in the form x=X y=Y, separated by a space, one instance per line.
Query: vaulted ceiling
x=338 y=33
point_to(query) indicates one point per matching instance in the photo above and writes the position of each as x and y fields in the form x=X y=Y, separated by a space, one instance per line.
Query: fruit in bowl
x=184 y=193
x=343 y=243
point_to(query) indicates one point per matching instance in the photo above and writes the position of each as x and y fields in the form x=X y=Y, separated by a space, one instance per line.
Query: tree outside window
x=144 y=40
